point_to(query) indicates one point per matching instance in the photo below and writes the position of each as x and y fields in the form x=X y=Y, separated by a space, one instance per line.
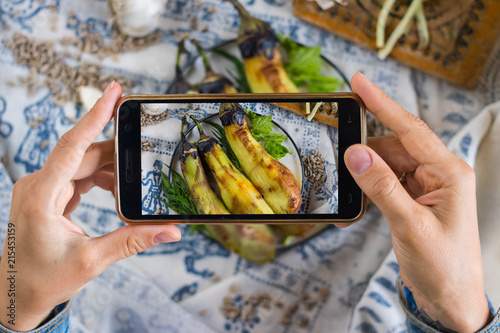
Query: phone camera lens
x=128 y=128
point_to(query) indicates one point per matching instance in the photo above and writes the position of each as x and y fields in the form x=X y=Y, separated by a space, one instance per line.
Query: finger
x=108 y=168
x=67 y=156
x=413 y=187
x=98 y=155
x=418 y=140
x=380 y=184
x=102 y=179
x=393 y=153
x=132 y=239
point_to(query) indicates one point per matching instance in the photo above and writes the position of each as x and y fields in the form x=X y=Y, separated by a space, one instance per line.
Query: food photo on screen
x=238 y=158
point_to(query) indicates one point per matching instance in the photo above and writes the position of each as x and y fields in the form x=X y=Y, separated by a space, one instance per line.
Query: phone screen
x=265 y=158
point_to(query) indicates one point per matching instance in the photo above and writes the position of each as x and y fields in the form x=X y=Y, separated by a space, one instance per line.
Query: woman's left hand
x=53 y=257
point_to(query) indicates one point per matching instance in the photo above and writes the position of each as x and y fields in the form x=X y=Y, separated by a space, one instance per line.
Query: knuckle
x=383 y=187
x=91 y=148
x=66 y=139
x=462 y=173
x=386 y=100
x=20 y=185
x=134 y=245
x=419 y=123
x=468 y=171
x=25 y=190
x=415 y=124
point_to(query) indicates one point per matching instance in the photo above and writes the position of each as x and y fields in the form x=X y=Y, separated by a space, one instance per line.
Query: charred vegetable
x=261 y=57
x=180 y=84
x=237 y=192
x=254 y=242
x=213 y=83
x=202 y=195
x=272 y=179
x=294 y=229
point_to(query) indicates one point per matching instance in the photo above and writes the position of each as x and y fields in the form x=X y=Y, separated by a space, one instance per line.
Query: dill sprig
x=177 y=193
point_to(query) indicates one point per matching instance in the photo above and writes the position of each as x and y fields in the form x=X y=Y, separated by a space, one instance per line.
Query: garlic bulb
x=137 y=18
x=88 y=96
x=153 y=109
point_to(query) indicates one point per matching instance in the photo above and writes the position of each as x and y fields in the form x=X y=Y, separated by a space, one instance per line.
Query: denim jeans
x=57 y=322
x=416 y=325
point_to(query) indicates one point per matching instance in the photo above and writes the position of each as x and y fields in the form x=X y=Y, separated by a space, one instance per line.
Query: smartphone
x=307 y=134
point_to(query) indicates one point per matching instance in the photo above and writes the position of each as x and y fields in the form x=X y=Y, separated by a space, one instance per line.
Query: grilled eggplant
x=261 y=57
x=204 y=198
x=272 y=179
x=237 y=192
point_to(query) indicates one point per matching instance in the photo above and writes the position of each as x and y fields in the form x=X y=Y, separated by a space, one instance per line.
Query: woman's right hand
x=431 y=213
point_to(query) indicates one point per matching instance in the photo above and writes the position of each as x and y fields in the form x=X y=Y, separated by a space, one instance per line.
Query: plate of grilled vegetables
x=257 y=61
x=230 y=182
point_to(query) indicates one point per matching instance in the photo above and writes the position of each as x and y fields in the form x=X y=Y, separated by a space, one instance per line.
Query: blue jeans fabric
x=416 y=325
x=58 y=321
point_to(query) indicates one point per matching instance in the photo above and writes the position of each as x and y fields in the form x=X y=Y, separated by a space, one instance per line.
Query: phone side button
x=349 y=198
x=128 y=165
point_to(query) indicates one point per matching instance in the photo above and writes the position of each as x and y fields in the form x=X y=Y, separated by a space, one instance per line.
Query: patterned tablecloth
x=180 y=287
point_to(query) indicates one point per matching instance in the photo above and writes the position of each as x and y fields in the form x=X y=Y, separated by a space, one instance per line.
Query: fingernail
x=362 y=75
x=108 y=88
x=164 y=237
x=358 y=160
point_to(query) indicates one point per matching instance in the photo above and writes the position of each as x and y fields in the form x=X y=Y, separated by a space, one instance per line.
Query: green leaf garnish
x=261 y=128
x=304 y=65
x=177 y=193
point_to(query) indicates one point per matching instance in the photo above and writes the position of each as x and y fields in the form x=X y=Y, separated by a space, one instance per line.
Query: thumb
x=132 y=239
x=379 y=183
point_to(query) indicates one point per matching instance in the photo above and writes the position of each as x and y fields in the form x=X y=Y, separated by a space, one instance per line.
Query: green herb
x=289 y=240
x=239 y=76
x=275 y=148
x=200 y=228
x=220 y=134
x=261 y=127
x=177 y=194
x=304 y=65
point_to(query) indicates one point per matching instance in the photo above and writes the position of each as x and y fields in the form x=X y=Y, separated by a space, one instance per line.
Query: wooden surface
x=462 y=33
x=325 y=114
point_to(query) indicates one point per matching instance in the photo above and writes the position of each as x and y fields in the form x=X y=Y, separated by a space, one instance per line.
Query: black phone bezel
x=352 y=130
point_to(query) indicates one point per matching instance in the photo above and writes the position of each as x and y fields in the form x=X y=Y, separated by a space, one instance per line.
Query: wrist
x=449 y=311
x=18 y=309
x=456 y=316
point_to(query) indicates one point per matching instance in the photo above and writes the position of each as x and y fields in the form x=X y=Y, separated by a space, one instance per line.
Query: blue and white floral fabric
x=165 y=288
